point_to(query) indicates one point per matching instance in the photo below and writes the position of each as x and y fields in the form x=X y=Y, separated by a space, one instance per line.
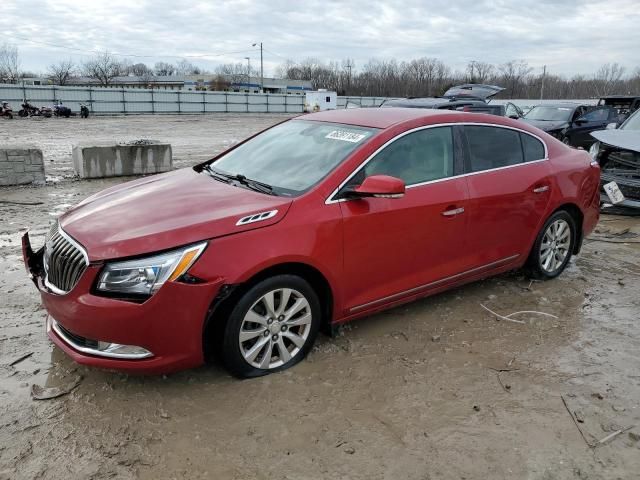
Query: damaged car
x=470 y=97
x=618 y=153
x=571 y=123
x=314 y=222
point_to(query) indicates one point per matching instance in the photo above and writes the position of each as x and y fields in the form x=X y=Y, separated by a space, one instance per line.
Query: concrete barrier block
x=136 y=158
x=21 y=165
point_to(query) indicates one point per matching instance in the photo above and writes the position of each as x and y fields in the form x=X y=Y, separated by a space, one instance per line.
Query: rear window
x=492 y=147
x=532 y=147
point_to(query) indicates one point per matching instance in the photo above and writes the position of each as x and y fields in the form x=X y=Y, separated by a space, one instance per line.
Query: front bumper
x=627 y=202
x=169 y=325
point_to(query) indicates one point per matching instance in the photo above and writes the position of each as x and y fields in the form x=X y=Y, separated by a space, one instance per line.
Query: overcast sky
x=570 y=37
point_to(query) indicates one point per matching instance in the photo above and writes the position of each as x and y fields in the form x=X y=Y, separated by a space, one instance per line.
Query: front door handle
x=541 y=189
x=452 y=212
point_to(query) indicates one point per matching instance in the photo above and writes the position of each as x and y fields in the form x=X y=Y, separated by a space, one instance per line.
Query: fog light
x=123 y=351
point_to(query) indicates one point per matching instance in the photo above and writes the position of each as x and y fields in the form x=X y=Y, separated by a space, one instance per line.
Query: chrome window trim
x=433 y=284
x=329 y=200
x=82 y=250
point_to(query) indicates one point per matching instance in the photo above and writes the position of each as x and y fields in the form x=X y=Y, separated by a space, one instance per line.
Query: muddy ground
x=412 y=393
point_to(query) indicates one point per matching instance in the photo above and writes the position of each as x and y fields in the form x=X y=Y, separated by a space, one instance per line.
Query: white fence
x=110 y=101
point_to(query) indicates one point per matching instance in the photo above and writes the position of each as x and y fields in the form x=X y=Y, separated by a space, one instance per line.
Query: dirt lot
x=414 y=393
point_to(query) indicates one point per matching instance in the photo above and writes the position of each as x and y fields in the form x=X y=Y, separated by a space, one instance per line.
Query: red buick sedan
x=314 y=222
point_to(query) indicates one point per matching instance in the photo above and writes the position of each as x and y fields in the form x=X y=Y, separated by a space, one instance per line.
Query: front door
x=596 y=119
x=396 y=247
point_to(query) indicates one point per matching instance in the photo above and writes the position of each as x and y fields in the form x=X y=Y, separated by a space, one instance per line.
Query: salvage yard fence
x=115 y=101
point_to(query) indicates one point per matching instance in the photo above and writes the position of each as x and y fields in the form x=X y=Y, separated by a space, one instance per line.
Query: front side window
x=597 y=115
x=417 y=157
x=295 y=155
x=492 y=147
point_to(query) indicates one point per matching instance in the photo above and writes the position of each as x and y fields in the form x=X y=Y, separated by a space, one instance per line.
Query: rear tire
x=272 y=327
x=553 y=247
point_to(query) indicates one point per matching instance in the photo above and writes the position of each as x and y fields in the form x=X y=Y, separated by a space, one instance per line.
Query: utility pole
x=544 y=73
x=261 y=68
x=248 y=59
x=349 y=66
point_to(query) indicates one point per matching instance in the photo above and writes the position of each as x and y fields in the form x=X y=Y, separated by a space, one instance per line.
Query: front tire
x=553 y=247
x=272 y=327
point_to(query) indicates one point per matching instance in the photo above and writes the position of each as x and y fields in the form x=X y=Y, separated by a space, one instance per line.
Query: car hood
x=165 y=211
x=546 y=125
x=625 y=139
x=475 y=90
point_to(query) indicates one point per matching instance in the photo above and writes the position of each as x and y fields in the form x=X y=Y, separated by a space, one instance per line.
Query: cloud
x=569 y=37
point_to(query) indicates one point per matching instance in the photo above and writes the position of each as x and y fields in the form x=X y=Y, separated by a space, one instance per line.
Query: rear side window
x=492 y=147
x=532 y=147
x=418 y=157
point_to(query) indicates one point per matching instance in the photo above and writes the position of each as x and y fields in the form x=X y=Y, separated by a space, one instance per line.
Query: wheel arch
x=229 y=295
x=578 y=217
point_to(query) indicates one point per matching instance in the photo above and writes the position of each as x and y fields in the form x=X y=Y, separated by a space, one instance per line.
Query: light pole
x=261 y=69
x=248 y=59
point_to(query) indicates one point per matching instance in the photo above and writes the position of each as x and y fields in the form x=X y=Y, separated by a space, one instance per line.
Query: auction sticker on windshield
x=345 y=136
x=613 y=192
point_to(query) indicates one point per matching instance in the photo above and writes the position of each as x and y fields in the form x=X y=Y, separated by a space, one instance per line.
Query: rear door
x=509 y=184
x=395 y=247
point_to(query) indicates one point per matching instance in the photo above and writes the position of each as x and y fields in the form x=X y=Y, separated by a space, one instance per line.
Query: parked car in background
x=314 y=222
x=471 y=97
x=570 y=123
x=624 y=105
x=618 y=153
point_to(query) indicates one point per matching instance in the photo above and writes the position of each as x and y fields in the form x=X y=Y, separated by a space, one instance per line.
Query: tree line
x=423 y=77
x=378 y=77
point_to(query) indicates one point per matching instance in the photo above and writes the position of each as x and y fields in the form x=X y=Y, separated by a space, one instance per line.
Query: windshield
x=557 y=114
x=632 y=123
x=295 y=155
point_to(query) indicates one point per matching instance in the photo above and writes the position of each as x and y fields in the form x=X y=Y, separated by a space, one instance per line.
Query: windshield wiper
x=247 y=182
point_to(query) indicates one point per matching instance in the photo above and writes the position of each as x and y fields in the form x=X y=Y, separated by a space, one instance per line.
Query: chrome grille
x=64 y=261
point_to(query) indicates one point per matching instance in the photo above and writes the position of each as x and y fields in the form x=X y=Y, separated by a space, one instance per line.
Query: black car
x=470 y=97
x=571 y=123
x=624 y=105
x=618 y=153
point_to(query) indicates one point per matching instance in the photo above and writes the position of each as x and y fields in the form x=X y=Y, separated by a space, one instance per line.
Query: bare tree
x=607 y=79
x=479 y=72
x=60 y=73
x=184 y=67
x=138 y=69
x=164 y=69
x=513 y=73
x=103 y=68
x=9 y=63
x=234 y=72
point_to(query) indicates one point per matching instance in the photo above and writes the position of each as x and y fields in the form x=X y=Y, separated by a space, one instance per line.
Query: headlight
x=144 y=276
x=594 y=150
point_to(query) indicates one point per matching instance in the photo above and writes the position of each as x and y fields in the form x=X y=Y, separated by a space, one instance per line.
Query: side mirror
x=612 y=126
x=514 y=116
x=580 y=121
x=378 y=186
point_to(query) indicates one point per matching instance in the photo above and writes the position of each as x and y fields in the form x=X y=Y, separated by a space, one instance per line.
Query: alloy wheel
x=275 y=328
x=555 y=245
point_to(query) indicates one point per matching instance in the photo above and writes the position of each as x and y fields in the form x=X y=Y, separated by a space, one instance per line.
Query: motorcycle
x=6 y=110
x=46 y=112
x=60 y=110
x=84 y=111
x=28 y=110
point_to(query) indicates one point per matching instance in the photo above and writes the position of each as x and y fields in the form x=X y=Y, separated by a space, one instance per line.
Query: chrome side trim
x=94 y=351
x=432 y=284
x=256 y=217
x=330 y=199
x=541 y=189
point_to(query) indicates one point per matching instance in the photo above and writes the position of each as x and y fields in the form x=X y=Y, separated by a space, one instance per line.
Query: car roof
x=562 y=105
x=378 y=117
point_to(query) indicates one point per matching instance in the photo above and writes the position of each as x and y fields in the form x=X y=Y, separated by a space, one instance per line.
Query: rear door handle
x=452 y=212
x=541 y=189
